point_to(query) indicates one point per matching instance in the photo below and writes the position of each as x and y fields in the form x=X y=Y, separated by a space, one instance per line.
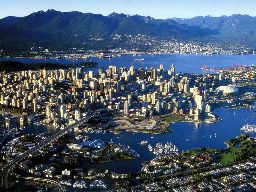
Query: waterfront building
x=172 y=69
x=207 y=108
x=90 y=74
x=161 y=67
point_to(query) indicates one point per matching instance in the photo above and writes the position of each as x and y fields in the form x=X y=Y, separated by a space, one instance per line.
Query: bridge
x=8 y=167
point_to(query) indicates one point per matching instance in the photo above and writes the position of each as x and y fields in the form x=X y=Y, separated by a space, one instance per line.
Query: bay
x=190 y=63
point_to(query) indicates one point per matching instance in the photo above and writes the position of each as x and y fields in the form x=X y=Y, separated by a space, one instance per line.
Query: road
x=8 y=167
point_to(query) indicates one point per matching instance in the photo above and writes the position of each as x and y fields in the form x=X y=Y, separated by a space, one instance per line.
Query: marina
x=161 y=149
x=249 y=128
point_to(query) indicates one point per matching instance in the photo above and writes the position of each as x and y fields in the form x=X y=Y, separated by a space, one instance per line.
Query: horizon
x=163 y=9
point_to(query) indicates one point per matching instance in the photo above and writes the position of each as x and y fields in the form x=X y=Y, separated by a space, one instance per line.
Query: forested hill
x=54 y=22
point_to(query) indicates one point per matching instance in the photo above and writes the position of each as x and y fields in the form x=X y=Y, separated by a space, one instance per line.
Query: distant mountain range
x=52 y=27
x=54 y=22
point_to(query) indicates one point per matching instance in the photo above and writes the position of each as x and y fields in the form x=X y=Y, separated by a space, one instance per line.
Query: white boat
x=249 y=128
x=143 y=142
x=150 y=148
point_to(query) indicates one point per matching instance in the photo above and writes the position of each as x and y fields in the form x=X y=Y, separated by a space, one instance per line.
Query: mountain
x=63 y=30
x=8 y=21
x=236 y=26
x=54 y=22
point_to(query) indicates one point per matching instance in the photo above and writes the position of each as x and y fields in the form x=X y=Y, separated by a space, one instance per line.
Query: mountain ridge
x=60 y=30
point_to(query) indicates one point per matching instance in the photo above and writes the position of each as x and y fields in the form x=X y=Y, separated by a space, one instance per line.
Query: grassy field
x=172 y=118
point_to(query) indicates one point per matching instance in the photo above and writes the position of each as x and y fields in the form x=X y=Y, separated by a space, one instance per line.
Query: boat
x=143 y=142
x=139 y=59
x=249 y=128
x=160 y=149
x=106 y=56
x=150 y=148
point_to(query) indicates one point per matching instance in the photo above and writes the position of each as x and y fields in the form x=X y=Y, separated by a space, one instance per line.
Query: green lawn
x=225 y=157
x=172 y=118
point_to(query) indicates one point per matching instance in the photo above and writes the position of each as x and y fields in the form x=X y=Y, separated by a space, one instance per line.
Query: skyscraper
x=172 y=69
x=35 y=105
x=126 y=108
x=62 y=110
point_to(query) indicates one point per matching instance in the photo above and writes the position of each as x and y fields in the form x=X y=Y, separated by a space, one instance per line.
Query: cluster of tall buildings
x=63 y=96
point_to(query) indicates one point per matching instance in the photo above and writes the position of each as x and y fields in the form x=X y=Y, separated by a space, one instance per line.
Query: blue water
x=183 y=63
x=185 y=135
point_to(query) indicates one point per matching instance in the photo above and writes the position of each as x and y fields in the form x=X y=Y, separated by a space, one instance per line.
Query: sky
x=159 y=9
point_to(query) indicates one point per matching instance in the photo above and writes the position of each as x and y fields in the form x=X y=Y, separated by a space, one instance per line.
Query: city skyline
x=158 y=9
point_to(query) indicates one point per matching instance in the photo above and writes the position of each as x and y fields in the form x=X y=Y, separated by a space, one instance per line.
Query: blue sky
x=159 y=9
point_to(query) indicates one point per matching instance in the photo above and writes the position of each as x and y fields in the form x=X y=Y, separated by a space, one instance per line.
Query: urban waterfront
x=186 y=135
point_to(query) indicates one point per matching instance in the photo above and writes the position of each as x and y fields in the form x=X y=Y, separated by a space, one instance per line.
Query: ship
x=139 y=59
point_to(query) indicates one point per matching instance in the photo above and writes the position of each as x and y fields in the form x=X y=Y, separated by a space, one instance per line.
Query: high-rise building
x=25 y=103
x=164 y=106
x=205 y=95
x=90 y=74
x=78 y=73
x=113 y=69
x=141 y=73
x=132 y=70
x=44 y=73
x=61 y=97
x=126 y=108
x=48 y=110
x=77 y=114
x=172 y=69
x=129 y=100
x=154 y=98
x=35 y=105
x=158 y=107
x=110 y=93
x=62 y=110
x=154 y=74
